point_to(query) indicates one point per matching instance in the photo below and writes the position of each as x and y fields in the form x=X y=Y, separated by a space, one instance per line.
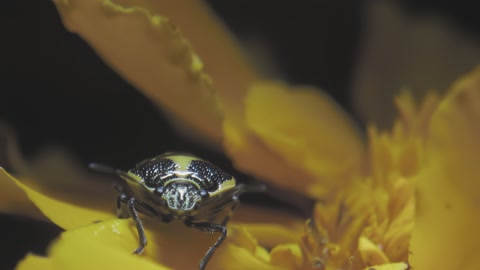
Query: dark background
x=54 y=89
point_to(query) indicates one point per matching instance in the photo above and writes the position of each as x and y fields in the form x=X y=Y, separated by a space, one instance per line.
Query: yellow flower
x=406 y=197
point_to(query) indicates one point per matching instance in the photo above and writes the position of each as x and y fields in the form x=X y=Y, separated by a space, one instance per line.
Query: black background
x=54 y=89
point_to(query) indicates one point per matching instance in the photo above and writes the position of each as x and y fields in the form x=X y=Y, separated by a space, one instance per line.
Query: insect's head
x=181 y=196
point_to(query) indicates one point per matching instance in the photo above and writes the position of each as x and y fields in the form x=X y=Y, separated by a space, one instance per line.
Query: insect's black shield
x=211 y=176
x=154 y=171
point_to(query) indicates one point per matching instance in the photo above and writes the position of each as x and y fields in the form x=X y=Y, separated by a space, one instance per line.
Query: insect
x=178 y=187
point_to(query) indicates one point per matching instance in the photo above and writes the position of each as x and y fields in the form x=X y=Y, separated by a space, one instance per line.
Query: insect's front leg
x=210 y=228
x=126 y=207
x=138 y=223
x=129 y=207
x=121 y=203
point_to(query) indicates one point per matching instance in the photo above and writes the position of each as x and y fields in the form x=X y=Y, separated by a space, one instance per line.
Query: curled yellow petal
x=448 y=188
x=303 y=126
x=295 y=137
x=147 y=49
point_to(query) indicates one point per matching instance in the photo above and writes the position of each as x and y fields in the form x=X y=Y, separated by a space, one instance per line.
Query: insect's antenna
x=255 y=188
x=109 y=170
x=250 y=188
x=102 y=168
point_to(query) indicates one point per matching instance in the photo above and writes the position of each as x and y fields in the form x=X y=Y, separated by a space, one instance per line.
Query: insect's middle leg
x=125 y=209
x=141 y=231
x=211 y=228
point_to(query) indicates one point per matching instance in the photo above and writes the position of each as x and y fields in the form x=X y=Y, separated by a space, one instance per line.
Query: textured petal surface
x=449 y=187
x=141 y=41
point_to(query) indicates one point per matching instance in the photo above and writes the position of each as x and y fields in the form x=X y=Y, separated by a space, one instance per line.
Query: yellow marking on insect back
x=132 y=178
x=182 y=160
x=227 y=185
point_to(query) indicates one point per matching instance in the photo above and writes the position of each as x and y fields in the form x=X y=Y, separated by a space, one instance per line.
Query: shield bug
x=178 y=187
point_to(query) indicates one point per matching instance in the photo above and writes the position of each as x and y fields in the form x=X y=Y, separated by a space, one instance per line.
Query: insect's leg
x=141 y=231
x=122 y=211
x=122 y=199
x=211 y=228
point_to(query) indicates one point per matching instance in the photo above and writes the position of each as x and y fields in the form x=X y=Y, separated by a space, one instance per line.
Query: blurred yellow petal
x=243 y=251
x=114 y=241
x=58 y=186
x=400 y=220
x=295 y=137
x=107 y=245
x=63 y=213
x=151 y=53
x=141 y=41
x=247 y=213
x=270 y=234
x=14 y=200
x=238 y=258
x=303 y=126
x=32 y=261
x=448 y=209
x=389 y=266
x=401 y=151
x=371 y=253
x=289 y=256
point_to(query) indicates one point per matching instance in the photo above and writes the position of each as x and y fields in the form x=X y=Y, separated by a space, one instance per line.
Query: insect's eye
x=204 y=194
x=159 y=190
x=213 y=187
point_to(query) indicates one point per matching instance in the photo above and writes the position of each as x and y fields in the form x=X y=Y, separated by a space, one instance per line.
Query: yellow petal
x=102 y=246
x=63 y=213
x=147 y=49
x=448 y=211
x=64 y=193
x=243 y=251
x=388 y=266
x=289 y=256
x=371 y=253
x=272 y=234
x=238 y=258
x=110 y=244
x=55 y=182
x=303 y=126
x=32 y=261
x=14 y=200
x=294 y=137
x=141 y=41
